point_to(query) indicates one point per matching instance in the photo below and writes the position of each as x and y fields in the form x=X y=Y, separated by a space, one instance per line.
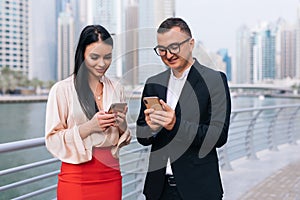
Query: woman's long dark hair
x=89 y=34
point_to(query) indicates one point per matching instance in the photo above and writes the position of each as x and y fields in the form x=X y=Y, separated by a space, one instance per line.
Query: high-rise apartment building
x=65 y=42
x=273 y=49
x=263 y=53
x=255 y=56
x=298 y=43
x=227 y=60
x=286 y=46
x=14 y=35
x=279 y=26
x=162 y=10
x=151 y=14
x=43 y=40
x=79 y=14
x=110 y=14
x=243 y=69
x=82 y=17
x=131 y=68
x=216 y=61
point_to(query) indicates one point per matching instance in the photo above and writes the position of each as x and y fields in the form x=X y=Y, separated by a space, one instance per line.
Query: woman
x=80 y=131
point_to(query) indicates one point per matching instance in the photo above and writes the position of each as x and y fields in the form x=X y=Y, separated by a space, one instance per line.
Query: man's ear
x=192 y=43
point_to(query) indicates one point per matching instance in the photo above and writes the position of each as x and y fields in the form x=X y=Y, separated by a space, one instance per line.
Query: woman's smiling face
x=97 y=58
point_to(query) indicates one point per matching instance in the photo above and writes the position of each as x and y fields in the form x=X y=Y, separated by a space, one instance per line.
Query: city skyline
x=146 y=24
x=215 y=22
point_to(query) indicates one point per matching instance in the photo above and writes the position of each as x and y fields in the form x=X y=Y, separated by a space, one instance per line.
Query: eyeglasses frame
x=168 y=47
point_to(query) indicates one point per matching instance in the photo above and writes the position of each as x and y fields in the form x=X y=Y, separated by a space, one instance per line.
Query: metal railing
x=251 y=130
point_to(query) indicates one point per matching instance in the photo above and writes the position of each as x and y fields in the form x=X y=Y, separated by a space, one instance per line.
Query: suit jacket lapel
x=164 y=82
x=195 y=74
x=193 y=78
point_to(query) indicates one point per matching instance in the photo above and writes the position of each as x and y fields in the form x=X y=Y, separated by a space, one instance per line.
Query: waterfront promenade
x=275 y=175
x=22 y=98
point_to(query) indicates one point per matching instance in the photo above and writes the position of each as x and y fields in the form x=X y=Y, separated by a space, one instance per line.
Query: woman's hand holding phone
x=105 y=120
x=119 y=110
x=99 y=123
x=121 y=122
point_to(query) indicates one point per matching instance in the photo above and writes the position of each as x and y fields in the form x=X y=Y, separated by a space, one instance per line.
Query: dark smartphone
x=117 y=107
x=152 y=102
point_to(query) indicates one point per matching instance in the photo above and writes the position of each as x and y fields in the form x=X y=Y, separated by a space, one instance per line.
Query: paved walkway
x=284 y=184
x=274 y=176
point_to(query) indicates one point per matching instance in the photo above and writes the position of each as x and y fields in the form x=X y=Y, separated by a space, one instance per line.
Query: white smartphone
x=117 y=107
x=152 y=102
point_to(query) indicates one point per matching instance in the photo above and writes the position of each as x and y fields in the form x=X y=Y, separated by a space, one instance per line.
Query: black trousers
x=170 y=191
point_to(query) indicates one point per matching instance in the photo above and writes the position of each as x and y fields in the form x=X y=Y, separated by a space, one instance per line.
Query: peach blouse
x=64 y=115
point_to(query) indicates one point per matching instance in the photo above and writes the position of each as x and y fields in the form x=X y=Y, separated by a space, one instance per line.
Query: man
x=183 y=162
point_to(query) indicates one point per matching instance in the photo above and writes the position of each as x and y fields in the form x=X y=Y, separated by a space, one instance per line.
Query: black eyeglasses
x=173 y=48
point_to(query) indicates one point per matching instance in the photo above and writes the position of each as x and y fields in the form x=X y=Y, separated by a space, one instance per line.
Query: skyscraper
x=109 y=14
x=286 y=42
x=255 y=61
x=263 y=53
x=14 y=35
x=243 y=56
x=131 y=68
x=66 y=51
x=82 y=17
x=227 y=60
x=79 y=10
x=298 y=42
x=43 y=40
x=151 y=14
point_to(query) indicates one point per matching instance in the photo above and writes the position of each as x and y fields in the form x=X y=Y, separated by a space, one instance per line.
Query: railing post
x=144 y=161
x=223 y=152
x=270 y=135
x=251 y=154
x=224 y=160
x=290 y=134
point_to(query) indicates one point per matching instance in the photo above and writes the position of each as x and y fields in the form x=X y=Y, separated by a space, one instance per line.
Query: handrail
x=251 y=130
x=20 y=145
x=28 y=166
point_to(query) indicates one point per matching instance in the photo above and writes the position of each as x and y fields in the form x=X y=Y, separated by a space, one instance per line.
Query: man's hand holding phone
x=158 y=114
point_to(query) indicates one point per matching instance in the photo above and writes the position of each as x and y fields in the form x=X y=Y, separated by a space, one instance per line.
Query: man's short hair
x=171 y=22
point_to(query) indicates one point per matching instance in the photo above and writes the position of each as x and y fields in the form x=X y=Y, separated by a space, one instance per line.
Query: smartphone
x=152 y=102
x=117 y=107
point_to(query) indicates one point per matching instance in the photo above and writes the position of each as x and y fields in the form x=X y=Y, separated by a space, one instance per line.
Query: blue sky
x=215 y=22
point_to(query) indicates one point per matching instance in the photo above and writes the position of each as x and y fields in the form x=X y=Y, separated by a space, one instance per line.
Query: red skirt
x=99 y=178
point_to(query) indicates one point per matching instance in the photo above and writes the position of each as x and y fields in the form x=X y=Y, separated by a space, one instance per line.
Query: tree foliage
x=10 y=80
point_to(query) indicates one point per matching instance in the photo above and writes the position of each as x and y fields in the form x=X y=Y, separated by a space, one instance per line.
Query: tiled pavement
x=283 y=184
x=274 y=176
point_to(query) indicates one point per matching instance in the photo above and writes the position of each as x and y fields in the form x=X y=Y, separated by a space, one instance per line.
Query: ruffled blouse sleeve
x=61 y=133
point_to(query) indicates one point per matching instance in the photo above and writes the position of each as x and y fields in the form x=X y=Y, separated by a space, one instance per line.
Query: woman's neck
x=93 y=82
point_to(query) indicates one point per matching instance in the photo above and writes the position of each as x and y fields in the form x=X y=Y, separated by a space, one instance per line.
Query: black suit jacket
x=202 y=122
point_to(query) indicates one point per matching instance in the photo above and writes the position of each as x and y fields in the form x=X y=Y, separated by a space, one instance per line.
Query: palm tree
x=5 y=80
x=296 y=88
x=22 y=79
x=49 y=84
x=11 y=79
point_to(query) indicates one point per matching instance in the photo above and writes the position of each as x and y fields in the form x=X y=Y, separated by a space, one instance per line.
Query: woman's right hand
x=99 y=123
x=105 y=120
